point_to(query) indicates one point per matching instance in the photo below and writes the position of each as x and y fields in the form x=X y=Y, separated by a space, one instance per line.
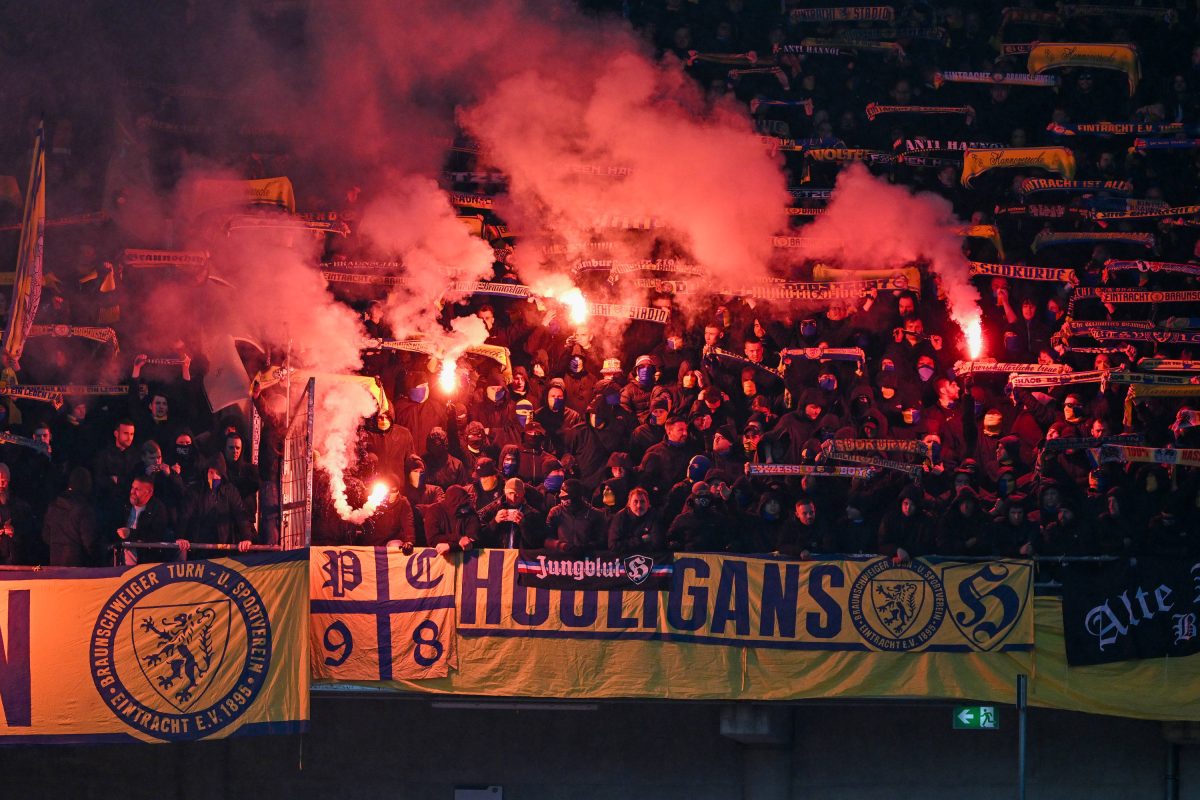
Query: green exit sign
x=976 y=718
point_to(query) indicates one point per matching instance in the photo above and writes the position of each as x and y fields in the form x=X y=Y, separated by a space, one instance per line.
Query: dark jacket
x=450 y=519
x=69 y=531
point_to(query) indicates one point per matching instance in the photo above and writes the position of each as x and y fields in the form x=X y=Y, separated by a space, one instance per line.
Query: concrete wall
x=398 y=748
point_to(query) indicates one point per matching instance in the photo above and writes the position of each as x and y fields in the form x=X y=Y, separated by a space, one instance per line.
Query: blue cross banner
x=380 y=615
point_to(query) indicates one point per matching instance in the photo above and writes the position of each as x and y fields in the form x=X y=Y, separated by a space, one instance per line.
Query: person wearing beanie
x=575 y=526
x=69 y=529
x=650 y=432
x=700 y=528
x=215 y=513
x=511 y=521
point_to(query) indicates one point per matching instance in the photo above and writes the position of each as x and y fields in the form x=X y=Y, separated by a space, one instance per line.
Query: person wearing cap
x=650 y=432
x=510 y=521
x=214 y=513
x=635 y=395
x=486 y=484
x=666 y=463
x=756 y=448
x=575 y=526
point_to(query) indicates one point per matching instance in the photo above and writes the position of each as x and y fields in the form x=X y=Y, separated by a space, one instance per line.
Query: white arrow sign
x=965 y=716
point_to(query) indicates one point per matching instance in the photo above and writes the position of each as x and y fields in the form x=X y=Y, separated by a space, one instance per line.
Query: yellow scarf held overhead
x=1054 y=159
x=1123 y=57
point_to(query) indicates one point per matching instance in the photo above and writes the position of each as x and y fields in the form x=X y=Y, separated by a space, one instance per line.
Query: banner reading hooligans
x=161 y=652
x=379 y=615
x=865 y=606
x=1116 y=612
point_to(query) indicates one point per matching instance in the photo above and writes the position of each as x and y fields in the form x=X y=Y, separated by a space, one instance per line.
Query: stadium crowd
x=681 y=436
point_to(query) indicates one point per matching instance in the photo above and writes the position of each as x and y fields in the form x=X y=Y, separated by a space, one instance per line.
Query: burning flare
x=973 y=333
x=447 y=379
x=379 y=493
x=576 y=305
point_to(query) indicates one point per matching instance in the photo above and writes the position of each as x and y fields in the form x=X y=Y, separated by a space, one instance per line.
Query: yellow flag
x=1054 y=159
x=1122 y=57
x=27 y=285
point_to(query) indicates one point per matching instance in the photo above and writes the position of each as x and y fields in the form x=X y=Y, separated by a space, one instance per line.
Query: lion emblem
x=182 y=651
x=896 y=604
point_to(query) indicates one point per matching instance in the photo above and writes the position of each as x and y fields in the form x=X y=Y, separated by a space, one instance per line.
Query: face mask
x=214 y=483
x=496 y=394
x=925 y=373
x=488 y=482
x=575 y=364
x=1012 y=344
x=419 y=394
x=416 y=479
x=673 y=344
x=695 y=472
x=808 y=329
x=554 y=482
x=556 y=404
x=935 y=452
x=593 y=421
x=474 y=443
x=644 y=376
x=508 y=467
x=770 y=515
x=911 y=416
x=827 y=384
x=183 y=451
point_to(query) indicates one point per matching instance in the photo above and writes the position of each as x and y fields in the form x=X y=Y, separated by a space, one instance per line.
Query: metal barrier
x=296 y=474
x=183 y=554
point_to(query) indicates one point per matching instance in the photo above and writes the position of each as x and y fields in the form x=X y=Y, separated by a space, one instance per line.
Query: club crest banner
x=171 y=652
x=379 y=615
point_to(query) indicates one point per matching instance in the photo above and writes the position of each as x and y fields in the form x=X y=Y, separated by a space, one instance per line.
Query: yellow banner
x=1123 y=57
x=210 y=194
x=1054 y=159
x=904 y=277
x=161 y=652
x=378 y=614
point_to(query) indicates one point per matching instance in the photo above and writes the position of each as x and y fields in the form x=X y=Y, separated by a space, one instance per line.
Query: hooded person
x=770 y=519
x=795 y=428
x=475 y=444
x=556 y=415
x=70 y=530
x=613 y=493
x=451 y=524
x=591 y=443
x=906 y=528
x=414 y=408
x=442 y=468
x=417 y=488
x=697 y=470
x=215 y=513
x=964 y=528
x=575 y=526
x=579 y=373
x=700 y=528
